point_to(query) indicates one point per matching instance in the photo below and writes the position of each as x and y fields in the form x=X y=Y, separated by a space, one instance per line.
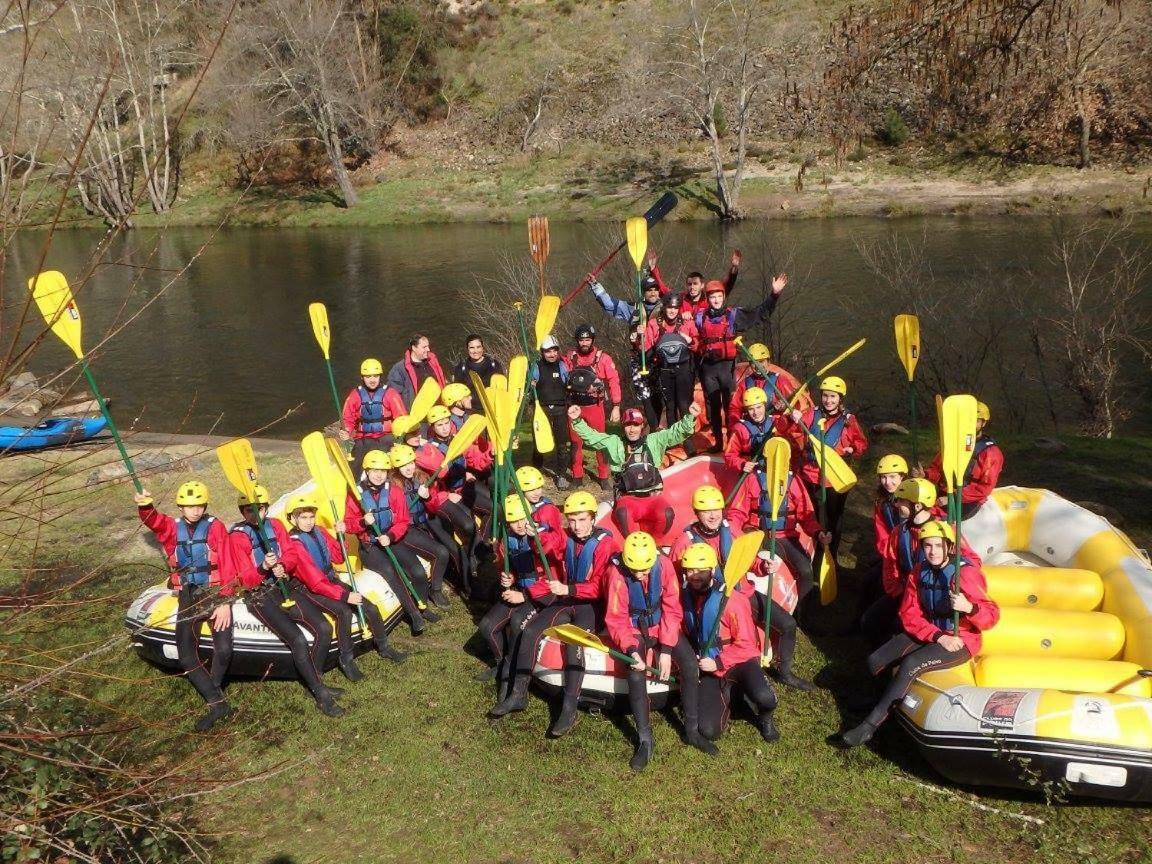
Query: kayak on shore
x=53 y=432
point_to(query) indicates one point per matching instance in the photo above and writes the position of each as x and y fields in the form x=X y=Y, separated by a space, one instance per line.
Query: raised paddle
x=318 y=314
x=518 y=386
x=777 y=456
x=489 y=414
x=741 y=555
x=826 y=576
x=546 y=314
x=538 y=244
x=545 y=317
x=329 y=483
x=461 y=441
x=570 y=634
x=239 y=465
x=498 y=382
x=428 y=395
x=835 y=361
x=656 y=212
x=957 y=443
x=908 y=347
x=636 y=230
x=337 y=453
x=54 y=299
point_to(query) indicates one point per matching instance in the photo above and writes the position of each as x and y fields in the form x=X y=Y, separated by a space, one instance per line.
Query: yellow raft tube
x=1061 y=691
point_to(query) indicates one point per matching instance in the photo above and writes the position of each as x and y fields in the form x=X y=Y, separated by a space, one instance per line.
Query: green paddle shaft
x=956 y=572
x=111 y=425
x=912 y=411
x=527 y=509
x=347 y=561
x=420 y=604
x=651 y=670
x=332 y=384
x=771 y=579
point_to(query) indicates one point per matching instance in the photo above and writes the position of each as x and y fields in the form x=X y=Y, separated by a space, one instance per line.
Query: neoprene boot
x=216 y=713
x=767 y=727
x=569 y=713
x=439 y=600
x=430 y=615
x=693 y=737
x=416 y=623
x=789 y=679
x=389 y=653
x=517 y=700
x=642 y=755
x=858 y=735
x=329 y=708
x=347 y=665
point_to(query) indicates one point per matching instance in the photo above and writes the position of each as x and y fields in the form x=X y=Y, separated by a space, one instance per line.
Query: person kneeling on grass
x=928 y=611
x=326 y=553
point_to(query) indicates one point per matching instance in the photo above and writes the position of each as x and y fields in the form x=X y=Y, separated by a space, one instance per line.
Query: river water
x=228 y=346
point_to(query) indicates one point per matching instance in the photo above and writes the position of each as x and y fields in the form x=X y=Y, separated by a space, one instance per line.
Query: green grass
x=414 y=771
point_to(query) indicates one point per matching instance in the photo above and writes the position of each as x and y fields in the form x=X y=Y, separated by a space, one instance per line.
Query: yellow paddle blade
x=340 y=460
x=636 y=230
x=518 y=379
x=318 y=313
x=939 y=411
x=462 y=440
x=54 y=298
x=505 y=407
x=489 y=411
x=828 y=578
x=329 y=482
x=957 y=437
x=542 y=430
x=546 y=314
x=538 y=239
x=239 y=464
x=428 y=396
x=839 y=358
x=403 y=424
x=836 y=471
x=740 y=558
x=908 y=342
x=570 y=634
x=499 y=382
x=777 y=456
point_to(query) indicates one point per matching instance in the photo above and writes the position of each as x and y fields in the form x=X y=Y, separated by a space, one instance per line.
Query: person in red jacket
x=693 y=299
x=368 y=413
x=718 y=327
x=570 y=597
x=890 y=473
x=279 y=579
x=842 y=433
x=983 y=471
x=777 y=384
x=747 y=436
x=643 y=614
x=521 y=569
x=426 y=538
x=731 y=658
x=327 y=554
x=380 y=519
x=934 y=599
x=671 y=343
x=596 y=390
x=751 y=509
x=417 y=365
x=204 y=575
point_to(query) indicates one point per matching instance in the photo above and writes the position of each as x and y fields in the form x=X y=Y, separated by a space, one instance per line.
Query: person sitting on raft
x=778 y=386
x=457 y=398
x=426 y=537
x=266 y=558
x=368 y=413
x=635 y=462
x=326 y=553
x=203 y=572
x=929 y=610
x=545 y=514
x=983 y=470
x=643 y=614
x=890 y=473
x=747 y=437
x=732 y=658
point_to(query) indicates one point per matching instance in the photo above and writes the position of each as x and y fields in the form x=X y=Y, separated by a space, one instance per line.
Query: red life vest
x=717 y=334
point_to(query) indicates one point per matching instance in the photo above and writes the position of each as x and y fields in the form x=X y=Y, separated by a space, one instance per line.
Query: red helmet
x=428 y=458
x=632 y=417
x=713 y=286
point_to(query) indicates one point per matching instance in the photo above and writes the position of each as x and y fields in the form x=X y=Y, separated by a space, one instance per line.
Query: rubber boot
x=327 y=692
x=790 y=679
x=767 y=727
x=517 y=700
x=488 y=673
x=329 y=708
x=858 y=735
x=693 y=737
x=430 y=615
x=216 y=712
x=389 y=653
x=416 y=623
x=347 y=665
x=569 y=712
x=439 y=600
x=642 y=755
x=641 y=716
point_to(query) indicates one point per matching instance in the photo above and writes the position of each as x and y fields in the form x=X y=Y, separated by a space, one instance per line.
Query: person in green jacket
x=635 y=462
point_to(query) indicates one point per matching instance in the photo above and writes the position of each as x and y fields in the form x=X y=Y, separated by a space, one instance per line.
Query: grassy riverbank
x=415 y=772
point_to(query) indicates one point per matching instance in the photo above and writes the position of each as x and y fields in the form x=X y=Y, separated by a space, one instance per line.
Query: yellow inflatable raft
x=1062 y=689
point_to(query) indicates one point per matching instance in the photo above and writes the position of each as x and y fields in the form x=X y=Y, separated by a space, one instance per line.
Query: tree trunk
x=723 y=200
x=336 y=157
x=1085 y=138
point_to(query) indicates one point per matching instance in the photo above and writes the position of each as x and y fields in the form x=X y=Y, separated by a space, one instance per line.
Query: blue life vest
x=644 y=609
x=457 y=468
x=193 y=559
x=888 y=513
x=317 y=547
x=700 y=626
x=579 y=567
x=764 y=505
x=416 y=509
x=981 y=445
x=831 y=435
x=457 y=421
x=371 y=409
x=378 y=503
x=259 y=547
x=768 y=385
x=697 y=536
x=522 y=561
x=758 y=433
x=933 y=589
x=907 y=555
x=540 y=526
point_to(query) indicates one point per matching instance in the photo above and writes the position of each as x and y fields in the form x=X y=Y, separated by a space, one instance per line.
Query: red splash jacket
x=658 y=592
x=585 y=568
x=224 y=572
x=920 y=622
x=391 y=510
x=746 y=377
x=747 y=510
x=297 y=562
x=842 y=432
x=392 y=406
x=982 y=476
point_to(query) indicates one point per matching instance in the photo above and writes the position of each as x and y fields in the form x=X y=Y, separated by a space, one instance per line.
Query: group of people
x=660 y=599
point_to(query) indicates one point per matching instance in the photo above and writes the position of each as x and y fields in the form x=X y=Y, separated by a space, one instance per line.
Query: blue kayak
x=53 y=432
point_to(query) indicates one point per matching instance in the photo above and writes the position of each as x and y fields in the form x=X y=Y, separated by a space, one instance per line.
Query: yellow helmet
x=579 y=502
x=707 y=498
x=302 y=502
x=834 y=384
x=759 y=351
x=400 y=455
x=453 y=393
x=376 y=460
x=640 y=552
x=514 y=509
x=699 y=556
x=529 y=478
x=371 y=366
x=917 y=490
x=192 y=493
x=437 y=413
x=893 y=463
x=982 y=412
x=937 y=529
x=755 y=396
x=259 y=493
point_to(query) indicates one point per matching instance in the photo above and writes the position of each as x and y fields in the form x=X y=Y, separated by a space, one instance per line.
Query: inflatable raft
x=257 y=651
x=53 y=432
x=1061 y=690
x=606 y=679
